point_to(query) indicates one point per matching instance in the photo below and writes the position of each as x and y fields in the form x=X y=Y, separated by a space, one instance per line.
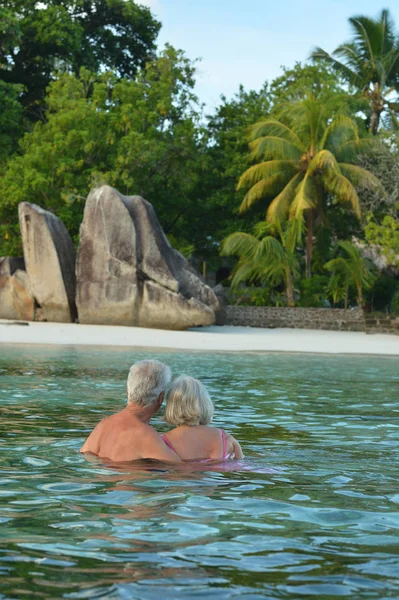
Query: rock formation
x=16 y=299
x=127 y=272
x=50 y=262
x=387 y=265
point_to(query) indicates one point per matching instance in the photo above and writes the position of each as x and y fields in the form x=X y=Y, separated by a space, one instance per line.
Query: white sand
x=208 y=339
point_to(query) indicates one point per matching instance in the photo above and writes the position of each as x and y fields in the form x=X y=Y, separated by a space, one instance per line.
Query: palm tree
x=352 y=271
x=306 y=165
x=370 y=63
x=263 y=258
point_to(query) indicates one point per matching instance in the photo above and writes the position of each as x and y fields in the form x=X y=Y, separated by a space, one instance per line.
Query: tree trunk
x=375 y=121
x=289 y=289
x=309 y=243
x=359 y=296
x=377 y=106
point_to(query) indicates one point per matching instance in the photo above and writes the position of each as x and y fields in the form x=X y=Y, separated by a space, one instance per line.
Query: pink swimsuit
x=225 y=455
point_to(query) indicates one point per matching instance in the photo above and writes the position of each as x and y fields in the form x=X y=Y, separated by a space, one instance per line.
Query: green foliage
x=314 y=291
x=305 y=157
x=40 y=38
x=383 y=296
x=385 y=236
x=305 y=165
x=370 y=63
x=254 y=296
x=265 y=259
x=187 y=250
x=394 y=306
x=318 y=81
x=350 y=271
x=103 y=108
x=141 y=136
x=381 y=159
x=10 y=119
x=227 y=151
x=10 y=34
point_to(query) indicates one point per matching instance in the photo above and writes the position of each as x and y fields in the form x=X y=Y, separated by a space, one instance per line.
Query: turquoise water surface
x=313 y=510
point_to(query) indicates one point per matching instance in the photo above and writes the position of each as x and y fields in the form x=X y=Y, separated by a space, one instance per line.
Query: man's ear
x=160 y=398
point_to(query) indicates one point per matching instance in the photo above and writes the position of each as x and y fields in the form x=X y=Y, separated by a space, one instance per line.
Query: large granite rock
x=50 y=262
x=16 y=299
x=127 y=272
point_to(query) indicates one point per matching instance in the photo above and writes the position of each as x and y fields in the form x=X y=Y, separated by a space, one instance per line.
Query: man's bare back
x=127 y=435
x=123 y=437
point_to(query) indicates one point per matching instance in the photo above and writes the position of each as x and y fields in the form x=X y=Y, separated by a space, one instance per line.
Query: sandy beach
x=207 y=339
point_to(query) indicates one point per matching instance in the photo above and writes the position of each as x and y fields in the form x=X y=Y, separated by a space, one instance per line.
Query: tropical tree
x=351 y=271
x=305 y=164
x=40 y=38
x=370 y=63
x=142 y=136
x=226 y=154
x=265 y=259
x=318 y=80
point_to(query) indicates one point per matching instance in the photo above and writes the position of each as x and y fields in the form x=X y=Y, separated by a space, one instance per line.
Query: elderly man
x=127 y=435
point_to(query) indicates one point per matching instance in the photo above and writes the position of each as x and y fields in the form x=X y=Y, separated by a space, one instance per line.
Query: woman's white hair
x=188 y=403
x=147 y=379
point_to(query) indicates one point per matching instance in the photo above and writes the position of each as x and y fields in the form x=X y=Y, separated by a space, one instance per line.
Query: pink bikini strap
x=223 y=442
x=168 y=443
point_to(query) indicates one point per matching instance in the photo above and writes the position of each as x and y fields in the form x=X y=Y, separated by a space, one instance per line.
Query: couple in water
x=128 y=435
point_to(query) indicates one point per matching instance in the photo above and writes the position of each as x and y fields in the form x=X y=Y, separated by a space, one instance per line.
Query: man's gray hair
x=147 y=379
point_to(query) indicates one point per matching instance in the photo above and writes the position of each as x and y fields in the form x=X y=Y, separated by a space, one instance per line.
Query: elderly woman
x=190 y=409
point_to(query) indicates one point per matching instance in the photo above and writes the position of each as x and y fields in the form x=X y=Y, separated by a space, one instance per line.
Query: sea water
x=312 y=510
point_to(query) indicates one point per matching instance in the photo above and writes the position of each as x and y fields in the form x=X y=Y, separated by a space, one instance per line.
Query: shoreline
x=204 y=339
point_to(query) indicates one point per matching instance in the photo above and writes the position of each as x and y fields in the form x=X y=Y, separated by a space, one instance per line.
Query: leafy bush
x=313 y=292
x=384 y=294
x=254 y=296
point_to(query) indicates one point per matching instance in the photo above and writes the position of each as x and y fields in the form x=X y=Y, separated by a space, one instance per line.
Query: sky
x=247 y=41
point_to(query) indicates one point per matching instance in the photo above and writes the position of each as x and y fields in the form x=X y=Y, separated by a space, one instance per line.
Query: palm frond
x=269 y=250
x=349 y=52
x=361 y=177
x=306 y=116
x=387 y=30
x=390 y=65
x=293 y=233
x=239 y=244
x=265 y=228
x=339 y=186
x=265 y=170
x=323 y=161
x=339 y=67
x=366 y=36
x=276 y=273
x=340 y=131
x=338 y=265
x=273 y=127
x=279 y=208
x=305 y=197
x=265 y=188
x=274 y=147
x=349 y=151
x=244 y=271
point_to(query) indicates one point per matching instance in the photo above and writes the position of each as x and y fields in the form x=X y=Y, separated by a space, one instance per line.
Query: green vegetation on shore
x=299 y=180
